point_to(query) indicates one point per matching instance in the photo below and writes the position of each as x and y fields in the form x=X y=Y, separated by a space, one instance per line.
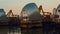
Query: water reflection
x=14 y=30
x=32 y=31
x=10 y=30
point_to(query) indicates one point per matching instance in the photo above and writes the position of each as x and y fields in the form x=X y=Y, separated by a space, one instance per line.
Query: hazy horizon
x=17 y=5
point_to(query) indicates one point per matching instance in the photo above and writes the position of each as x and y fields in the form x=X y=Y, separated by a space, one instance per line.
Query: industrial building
x=56 y=13
x=8 y=19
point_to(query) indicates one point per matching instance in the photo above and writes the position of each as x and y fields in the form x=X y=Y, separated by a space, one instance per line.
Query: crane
x=44 y=13
x=41 y=9
x=10 y=13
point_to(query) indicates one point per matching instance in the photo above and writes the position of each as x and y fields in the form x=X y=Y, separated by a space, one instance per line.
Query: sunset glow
x=17 y=5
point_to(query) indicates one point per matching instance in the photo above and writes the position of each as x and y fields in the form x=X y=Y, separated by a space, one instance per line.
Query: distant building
x=30 y=8
x=35 y=16
x=23 y=13
x=3 y=18
x=54 y=11
x=2 y=12
x=24 y=16
x=31 y=11
x=58 y=11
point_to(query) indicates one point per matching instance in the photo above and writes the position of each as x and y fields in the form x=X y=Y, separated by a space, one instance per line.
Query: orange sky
x=17 y=5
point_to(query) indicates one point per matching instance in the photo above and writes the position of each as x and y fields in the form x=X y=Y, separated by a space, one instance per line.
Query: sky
x=17 y=5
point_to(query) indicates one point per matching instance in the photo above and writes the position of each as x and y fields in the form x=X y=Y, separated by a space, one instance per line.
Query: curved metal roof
x=30 y=8
x=2 y=12
x=58 y=6
x=32 y=11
